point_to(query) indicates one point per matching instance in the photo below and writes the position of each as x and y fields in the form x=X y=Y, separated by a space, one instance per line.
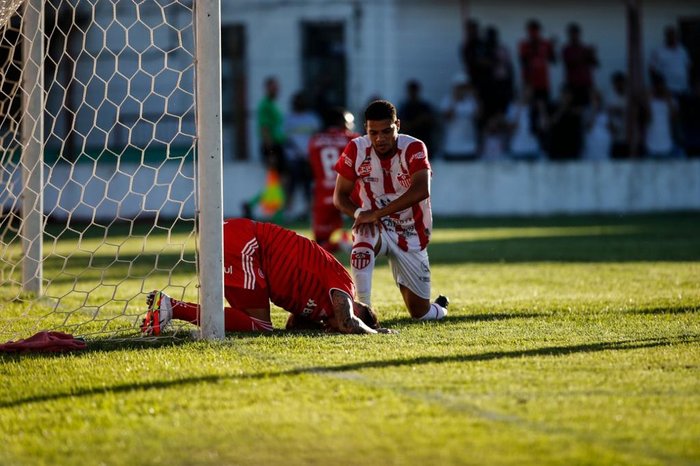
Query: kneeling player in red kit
x=262 y=263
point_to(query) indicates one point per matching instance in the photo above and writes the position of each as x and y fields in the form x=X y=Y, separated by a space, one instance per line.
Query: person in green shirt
x=271 y=128
x=271 y=198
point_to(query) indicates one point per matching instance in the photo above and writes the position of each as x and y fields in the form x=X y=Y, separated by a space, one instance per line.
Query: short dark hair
x=334 y=116
x=574 y=28
x=534 y=24
x=618 y=76
x=380 y=110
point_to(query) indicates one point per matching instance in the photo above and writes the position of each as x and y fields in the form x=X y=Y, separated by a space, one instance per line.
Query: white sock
x=436 y=312
x=362 y=267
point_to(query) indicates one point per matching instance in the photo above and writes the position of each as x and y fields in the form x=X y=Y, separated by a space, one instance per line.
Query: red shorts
x=326 y=219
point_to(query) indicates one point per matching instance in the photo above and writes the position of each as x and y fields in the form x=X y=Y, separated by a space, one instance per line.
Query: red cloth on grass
x=54 y=342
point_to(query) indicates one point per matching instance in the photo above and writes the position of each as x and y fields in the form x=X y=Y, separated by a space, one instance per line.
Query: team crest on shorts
x=360 y=259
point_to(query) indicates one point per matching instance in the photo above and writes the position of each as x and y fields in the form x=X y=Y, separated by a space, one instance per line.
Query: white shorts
x=409 y=268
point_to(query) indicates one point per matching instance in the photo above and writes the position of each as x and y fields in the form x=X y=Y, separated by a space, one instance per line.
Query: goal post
x=32 y=143
x=210 y=166
x=110 y=164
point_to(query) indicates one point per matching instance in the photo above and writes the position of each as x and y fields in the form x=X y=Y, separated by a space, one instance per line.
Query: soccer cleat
x=442 y=301
x=159 y=314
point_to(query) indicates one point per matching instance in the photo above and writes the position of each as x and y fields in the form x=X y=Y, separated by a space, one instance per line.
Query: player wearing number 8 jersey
x=394 y=215
x=266 y=263
x=324 y=150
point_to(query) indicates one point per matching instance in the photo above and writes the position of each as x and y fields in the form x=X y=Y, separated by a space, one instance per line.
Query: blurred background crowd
x=488 y=112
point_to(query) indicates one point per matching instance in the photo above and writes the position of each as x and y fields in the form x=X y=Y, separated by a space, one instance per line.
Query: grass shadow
x=463 y=318
x=554 y=351
x=666 y=310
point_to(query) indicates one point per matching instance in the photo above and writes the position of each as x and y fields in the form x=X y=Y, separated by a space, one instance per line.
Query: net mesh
x=118 y=147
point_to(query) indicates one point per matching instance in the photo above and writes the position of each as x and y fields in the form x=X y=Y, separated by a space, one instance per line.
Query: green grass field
x=569 y=341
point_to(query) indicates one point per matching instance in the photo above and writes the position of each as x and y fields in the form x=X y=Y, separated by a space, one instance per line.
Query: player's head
x=382 y=126
x=366 y=314
x=271 y=87
x=338 y=117
x=533 y=28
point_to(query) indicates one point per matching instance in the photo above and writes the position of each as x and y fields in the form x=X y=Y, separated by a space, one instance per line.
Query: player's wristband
x=357 y=212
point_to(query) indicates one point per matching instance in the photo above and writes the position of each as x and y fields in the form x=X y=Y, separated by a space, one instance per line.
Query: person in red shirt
x=393 y=216
x=266 y=263
x=579 y=60
x=535 y=54
x=325 y=148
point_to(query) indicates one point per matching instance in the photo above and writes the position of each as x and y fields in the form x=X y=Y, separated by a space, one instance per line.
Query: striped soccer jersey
x=383 y=180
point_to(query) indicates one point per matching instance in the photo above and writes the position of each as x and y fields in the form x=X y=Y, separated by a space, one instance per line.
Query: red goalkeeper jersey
x=297 y=273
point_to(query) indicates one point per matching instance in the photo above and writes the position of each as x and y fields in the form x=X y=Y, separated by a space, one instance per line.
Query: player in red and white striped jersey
x=394 y=218
x=264 y=262
x=324 y=151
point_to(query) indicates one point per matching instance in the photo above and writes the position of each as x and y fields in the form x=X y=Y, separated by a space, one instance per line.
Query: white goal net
x=99 y=166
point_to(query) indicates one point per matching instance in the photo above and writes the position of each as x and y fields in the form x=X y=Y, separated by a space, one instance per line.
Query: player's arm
x=342 y=195
x=419 y=190
x=345 y=318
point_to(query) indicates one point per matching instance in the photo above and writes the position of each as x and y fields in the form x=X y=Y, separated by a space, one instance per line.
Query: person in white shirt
x=617 y=117
x=460 y=110
x=299 y=125
x=598 y=139
x=660 y=112
x=672 y=62
x=524 y=144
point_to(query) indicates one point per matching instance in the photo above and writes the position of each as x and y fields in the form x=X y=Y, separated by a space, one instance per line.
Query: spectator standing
x=299 y=125
x=460 y=110
x=474 y=55
x=690 y=121
x=325 y=148
x=565 y=128
x=498 y=88
x=535 y=54
x=271 y=127
x=660 y=110
x=617 y=117
x=671 y=61
x=524 y=144
x=272 y=140
x=597 y=140
x=579 y=61
x=417 y=115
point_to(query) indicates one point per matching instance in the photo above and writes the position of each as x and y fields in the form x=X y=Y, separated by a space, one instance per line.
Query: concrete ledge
x=540 y=188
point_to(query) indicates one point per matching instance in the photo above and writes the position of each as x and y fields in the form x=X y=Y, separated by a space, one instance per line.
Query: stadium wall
x=458 y=188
